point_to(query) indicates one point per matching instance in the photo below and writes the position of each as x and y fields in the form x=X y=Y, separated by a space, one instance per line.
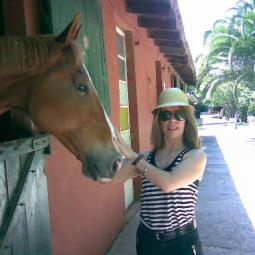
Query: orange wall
x=85 y=216
x=145 y=55
x=143 y=89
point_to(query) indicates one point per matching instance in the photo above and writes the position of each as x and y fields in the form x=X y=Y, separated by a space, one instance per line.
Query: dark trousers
x=188 y=244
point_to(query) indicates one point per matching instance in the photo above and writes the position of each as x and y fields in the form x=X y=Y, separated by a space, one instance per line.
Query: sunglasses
x=167 y=115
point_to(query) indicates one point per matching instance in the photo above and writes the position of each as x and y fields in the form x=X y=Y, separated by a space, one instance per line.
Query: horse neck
x=14 y=91
x=21 y=53
x=21 y=69
x=21 y=59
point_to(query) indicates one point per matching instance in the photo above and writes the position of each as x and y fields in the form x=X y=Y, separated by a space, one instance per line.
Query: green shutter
x=62 y=12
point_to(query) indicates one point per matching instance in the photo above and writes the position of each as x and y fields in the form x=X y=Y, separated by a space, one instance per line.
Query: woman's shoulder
x=196 y=154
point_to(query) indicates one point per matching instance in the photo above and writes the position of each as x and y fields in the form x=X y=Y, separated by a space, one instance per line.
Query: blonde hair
x=190 y=135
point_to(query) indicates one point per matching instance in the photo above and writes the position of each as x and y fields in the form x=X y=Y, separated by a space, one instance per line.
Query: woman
x=170 y=176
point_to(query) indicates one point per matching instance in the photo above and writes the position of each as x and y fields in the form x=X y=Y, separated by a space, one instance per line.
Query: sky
x=199 y=16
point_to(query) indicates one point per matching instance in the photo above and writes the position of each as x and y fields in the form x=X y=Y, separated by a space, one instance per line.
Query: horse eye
x=82 y=88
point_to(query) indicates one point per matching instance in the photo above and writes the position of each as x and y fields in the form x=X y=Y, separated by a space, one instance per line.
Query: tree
x=230 y=55
x=224 y=97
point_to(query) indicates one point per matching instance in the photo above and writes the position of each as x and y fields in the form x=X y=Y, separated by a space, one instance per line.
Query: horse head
x=61 y=100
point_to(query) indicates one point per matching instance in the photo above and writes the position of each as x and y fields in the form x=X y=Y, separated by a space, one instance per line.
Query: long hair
x=190 y=136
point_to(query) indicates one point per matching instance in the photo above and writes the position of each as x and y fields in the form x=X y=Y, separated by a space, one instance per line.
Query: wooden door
x=24 y=210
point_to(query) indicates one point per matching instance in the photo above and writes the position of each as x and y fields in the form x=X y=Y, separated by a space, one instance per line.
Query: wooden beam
x=164 y=35
x=174 y=62
x=176 y=58
x=157 y=23
x=154 y=8
x=183 y=70
x=175 y=44
x=173 y=51
x=185 y=74
x=131 y=78
x=158 y=17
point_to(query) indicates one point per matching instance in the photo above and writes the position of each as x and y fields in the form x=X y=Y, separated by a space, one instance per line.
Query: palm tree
x=230 y=53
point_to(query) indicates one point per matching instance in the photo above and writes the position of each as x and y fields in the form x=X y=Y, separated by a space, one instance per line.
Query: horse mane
x=22 y=53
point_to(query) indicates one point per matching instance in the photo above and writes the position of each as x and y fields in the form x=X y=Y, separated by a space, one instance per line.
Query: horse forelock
x=22 y=54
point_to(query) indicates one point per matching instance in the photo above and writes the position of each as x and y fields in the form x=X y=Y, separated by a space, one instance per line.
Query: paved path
x=226 y=204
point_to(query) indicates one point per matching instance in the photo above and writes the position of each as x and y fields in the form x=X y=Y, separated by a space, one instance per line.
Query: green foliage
x=226 y=75
x=243 y=113
x=202 y=107
x=251 y=109
x=224 y=97
x=251 y=104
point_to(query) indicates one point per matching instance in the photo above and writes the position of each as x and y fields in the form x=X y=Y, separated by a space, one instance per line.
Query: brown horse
x=45 y=77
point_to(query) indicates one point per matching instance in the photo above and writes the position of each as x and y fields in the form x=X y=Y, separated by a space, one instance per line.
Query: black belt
x=169 y=235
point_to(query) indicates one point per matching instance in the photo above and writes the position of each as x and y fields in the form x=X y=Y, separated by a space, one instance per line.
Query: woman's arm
x=190 y=169
x=126 y=172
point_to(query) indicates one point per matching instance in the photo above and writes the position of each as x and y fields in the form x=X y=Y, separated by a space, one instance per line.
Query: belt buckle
x=161 y=236
x=166 y=236
x=157 y=236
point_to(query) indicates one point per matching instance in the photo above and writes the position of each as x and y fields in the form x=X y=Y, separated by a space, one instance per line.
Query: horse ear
x=71 y=32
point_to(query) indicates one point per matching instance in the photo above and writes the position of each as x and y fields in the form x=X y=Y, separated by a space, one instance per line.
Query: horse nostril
x=116 y=165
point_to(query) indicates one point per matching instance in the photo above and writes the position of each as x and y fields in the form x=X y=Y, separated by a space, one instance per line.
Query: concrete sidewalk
x=226 y=204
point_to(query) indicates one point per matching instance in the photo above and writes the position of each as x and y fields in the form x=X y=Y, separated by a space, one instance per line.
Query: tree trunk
x=236 y=103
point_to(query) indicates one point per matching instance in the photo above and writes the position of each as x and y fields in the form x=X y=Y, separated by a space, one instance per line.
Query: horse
x=45 y=77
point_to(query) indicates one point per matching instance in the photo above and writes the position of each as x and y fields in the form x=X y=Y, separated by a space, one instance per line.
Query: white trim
x=125 y=106
x=128 y=185
x=119 y=31
x=121 y=57
x=124 y=82
x=126 y=131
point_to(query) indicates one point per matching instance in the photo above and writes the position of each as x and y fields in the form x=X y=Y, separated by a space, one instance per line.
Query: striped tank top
x=162 y=211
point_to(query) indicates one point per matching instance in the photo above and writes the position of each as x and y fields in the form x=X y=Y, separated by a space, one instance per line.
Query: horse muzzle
x=101 y=168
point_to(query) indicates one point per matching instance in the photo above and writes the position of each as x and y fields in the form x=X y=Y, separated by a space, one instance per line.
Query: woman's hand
x=124 y=147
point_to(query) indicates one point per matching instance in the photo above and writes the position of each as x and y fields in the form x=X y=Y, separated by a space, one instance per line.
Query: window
x=123 y=87
x=124 y=107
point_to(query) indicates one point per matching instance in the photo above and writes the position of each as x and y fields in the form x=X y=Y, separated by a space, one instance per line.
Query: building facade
x=133 y=50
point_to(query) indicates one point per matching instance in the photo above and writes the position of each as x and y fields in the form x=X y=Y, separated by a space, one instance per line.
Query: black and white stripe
x=167 y=211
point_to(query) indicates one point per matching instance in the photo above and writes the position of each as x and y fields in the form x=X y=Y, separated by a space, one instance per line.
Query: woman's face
x=172 y=122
